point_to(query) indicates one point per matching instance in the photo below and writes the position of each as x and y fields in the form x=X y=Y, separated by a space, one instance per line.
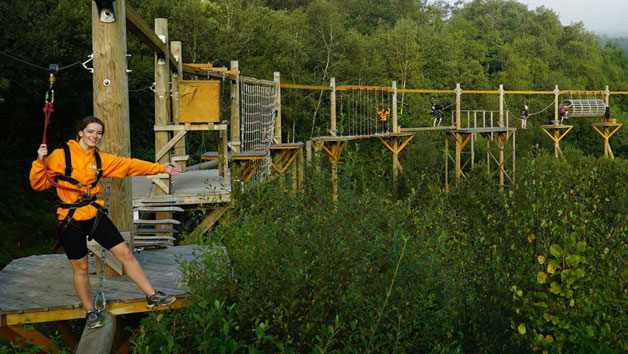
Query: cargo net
x=258 y=99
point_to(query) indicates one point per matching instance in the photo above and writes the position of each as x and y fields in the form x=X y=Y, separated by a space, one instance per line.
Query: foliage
x=539 y=266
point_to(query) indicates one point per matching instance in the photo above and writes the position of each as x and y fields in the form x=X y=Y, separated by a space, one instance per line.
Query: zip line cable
x=37 y=66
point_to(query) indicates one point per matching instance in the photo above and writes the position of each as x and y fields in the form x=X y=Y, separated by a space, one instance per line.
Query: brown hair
x=86 y=121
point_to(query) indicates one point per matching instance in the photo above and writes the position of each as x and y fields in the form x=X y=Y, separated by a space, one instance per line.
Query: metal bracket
x=106 y=10
x=91 y=57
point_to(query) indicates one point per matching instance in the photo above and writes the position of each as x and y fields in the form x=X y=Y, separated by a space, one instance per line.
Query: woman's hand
x=172 y=170
x=42 y=151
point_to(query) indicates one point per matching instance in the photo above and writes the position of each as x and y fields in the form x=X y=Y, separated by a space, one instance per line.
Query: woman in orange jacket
x=80 y=213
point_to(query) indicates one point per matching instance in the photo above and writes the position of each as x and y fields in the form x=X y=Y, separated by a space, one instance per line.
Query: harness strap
x=67 y=177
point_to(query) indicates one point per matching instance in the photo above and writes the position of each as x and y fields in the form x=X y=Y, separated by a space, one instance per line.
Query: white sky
x=599 y=16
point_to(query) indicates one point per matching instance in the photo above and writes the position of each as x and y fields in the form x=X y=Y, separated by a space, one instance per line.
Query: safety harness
x=85 y=198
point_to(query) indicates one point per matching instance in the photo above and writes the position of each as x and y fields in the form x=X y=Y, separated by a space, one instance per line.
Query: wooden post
x=514 y=152
x=179 y=147
x=556 y=133
x=394 y=107
x=235 y=109
x=162 y=107
x=446 y=163
x=301 y=163
x=458 y=156
x=278 y=109
x=332 y=83
x=162 y=94
x=458 y=94
x=501 y=105
x=607 y=94
x=111 y=104
x=308 y=152
x=501 y=141
x=395 y=145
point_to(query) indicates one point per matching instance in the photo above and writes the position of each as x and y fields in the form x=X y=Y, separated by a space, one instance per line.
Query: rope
x=37 y=66
x=48 y=109
x=529 y=115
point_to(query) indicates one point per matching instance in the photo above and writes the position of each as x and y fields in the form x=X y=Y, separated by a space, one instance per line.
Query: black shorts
x=74 y=237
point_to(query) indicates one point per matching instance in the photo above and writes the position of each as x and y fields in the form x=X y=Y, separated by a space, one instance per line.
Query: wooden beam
x=11 y=333
x=209 y=70
x=146 y=35
x=120 y=308
x=210 y=220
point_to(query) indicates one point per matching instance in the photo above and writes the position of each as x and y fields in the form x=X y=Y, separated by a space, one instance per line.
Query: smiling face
x=90 y=136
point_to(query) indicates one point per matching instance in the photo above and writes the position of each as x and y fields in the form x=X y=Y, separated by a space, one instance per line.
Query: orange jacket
x=84 y=171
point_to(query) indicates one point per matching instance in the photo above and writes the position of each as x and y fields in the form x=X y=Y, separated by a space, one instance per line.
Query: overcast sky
x=600 y=16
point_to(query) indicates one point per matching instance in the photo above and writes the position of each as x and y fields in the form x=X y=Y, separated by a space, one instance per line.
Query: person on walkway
x=81 y=214
x=525 y=113
x=383 y=118
x=436 y=112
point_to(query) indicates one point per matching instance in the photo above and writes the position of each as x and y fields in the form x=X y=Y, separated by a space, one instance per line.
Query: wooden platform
x=360 y=137
x=189 y=188
x=39 y=288
x=481 y=130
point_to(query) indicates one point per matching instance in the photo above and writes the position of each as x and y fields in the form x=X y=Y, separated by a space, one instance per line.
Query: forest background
x=479 y=45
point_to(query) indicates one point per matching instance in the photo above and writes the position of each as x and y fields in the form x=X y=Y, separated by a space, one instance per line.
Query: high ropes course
x=246 y=115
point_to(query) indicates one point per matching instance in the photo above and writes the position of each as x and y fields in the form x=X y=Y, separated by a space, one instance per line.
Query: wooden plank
x=78 y=313
x=305 y=87
x=146 y=230
x=152 y=222
x=146 y=35
x=158 y=208
x=167 y=146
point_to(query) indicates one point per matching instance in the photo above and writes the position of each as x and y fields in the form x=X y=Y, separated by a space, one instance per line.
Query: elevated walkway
x=39 y=288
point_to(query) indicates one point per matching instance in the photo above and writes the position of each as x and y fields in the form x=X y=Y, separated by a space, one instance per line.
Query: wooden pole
x=501 y=105
x=395 y=145
x=458 y=156
x=556 y=146
x=301 y=163
x=162 y=94
x=458 y=95
x=394 y=107
x=446 y=163
x=501 y=141
x=607 y=93
x=162 y=107
x=235 y=109
x=278 y=109
x=514 y=152
x=332 y=83
x=111 y=104
x=556 y=94
x=179 y=147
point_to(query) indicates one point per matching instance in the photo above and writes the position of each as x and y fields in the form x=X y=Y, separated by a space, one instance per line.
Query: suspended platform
x=188 y=188
x=39 y=288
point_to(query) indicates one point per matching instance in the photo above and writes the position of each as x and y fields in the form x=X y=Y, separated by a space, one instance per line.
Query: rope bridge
x=364 y=111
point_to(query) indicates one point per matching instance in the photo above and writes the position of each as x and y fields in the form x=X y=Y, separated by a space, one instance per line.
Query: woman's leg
x=81 y=282
x=132 y=267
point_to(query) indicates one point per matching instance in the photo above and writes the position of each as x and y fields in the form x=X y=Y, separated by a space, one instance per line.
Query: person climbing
x=564 y=112
x=75 y=170
x=436 y=112
x=383 y=117
x=525 y=113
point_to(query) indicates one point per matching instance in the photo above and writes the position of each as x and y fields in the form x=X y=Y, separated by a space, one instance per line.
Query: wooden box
x=199 y=101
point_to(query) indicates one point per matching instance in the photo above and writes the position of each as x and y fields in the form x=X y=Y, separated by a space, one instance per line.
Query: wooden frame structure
x=606 y=129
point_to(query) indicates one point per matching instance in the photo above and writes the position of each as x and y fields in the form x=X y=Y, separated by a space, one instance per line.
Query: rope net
x=364 y=111
x=258 y=99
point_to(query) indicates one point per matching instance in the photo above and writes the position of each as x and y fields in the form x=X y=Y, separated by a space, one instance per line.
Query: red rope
x=48 y=109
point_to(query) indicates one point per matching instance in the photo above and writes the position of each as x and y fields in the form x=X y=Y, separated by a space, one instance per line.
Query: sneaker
x=159 y=299
x=94 y=319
